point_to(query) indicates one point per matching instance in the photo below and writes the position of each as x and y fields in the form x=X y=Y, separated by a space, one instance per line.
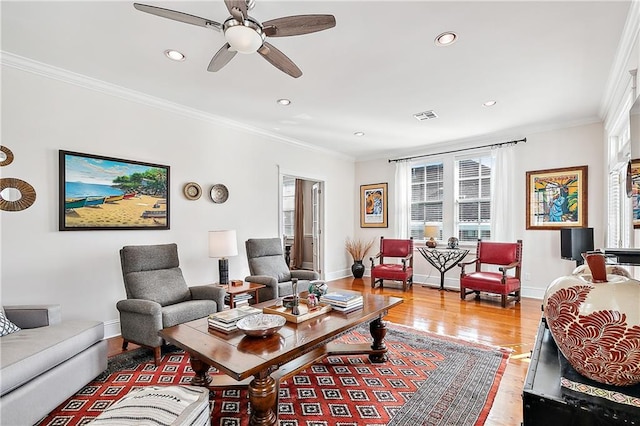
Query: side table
x=245 y=288
x=443 y=259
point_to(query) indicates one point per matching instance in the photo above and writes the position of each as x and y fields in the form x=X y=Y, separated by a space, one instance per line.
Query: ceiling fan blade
x=221 y=58
x=237 y=9
x=279 y=60
x=297 y=25
x=178 y=16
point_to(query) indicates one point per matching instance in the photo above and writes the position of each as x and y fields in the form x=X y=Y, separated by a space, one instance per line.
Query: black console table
x=544 y=402
x=442 y=259
x=624 y=256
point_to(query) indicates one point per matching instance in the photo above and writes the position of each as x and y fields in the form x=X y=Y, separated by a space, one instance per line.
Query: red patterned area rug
x=428 y=380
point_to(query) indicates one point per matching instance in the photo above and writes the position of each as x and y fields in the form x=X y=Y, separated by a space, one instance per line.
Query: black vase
x=357 y=269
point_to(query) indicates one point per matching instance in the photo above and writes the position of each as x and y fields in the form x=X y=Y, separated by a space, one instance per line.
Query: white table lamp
x=223 y=244
x=431 y=232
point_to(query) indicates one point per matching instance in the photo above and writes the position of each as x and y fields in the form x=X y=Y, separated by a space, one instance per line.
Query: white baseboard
x=111 y=328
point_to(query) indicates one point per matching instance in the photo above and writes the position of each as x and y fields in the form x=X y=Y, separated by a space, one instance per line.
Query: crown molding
x=45 y=70
x=619 y=76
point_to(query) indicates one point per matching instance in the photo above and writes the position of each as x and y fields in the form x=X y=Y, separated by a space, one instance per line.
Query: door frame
x=322 y=181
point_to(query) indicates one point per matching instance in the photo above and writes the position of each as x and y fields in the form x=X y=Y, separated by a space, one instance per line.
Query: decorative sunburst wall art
x=15 y=194
x=6 y=156
x=25 y=200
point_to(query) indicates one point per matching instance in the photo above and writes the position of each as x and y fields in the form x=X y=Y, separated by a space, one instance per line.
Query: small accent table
x=245 y=288
x=442 y=259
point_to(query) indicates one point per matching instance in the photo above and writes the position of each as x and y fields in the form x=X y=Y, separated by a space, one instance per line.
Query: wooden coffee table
x=270 y=359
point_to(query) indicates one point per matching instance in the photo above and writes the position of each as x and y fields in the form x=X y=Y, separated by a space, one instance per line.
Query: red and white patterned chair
x=393 y=248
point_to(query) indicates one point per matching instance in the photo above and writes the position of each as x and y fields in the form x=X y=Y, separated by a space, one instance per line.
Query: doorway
x=302 y=220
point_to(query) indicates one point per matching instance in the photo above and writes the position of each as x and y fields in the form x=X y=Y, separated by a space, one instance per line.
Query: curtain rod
x=493 y=145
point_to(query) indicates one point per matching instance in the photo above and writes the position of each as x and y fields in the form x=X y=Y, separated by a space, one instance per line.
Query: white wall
x=575 y=146
x=81 y=269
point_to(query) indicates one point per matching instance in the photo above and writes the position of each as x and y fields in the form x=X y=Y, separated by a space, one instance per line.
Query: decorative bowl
x=261 y=325
x=318 y=287
x=290 y=301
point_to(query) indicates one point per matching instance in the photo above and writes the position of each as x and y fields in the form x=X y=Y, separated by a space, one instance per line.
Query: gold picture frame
x=374 y=205
x=557 y=198
x=635 y=191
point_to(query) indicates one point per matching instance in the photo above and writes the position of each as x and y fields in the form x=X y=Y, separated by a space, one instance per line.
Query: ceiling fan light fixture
x=446 y=38
x=244 y=37
x=174 y=55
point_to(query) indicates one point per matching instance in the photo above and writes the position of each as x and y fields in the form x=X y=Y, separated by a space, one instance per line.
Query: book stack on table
x=343 y=302
x=239 y=300
x=225 y=321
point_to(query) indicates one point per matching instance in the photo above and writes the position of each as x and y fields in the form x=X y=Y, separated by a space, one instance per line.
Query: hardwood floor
x=484 y=321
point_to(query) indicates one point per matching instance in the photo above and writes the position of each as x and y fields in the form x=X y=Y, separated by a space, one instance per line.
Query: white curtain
x=402 y=199
x=503 y=194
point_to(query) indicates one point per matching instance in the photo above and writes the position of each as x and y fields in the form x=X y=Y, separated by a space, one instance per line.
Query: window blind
x=473 y=198
x=427 y=195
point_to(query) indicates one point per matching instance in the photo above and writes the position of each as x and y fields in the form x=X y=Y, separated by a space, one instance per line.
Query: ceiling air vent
x=426 y=115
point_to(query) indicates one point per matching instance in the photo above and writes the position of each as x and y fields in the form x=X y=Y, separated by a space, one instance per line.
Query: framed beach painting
x=373 y=205
x=104 y=193
x=557 y=198
x=634 y=191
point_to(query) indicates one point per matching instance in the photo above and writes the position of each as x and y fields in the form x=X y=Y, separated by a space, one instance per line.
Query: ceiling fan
x=244 y=34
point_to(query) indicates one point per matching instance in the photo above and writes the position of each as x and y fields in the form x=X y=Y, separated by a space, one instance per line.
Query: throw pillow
x=6 y=326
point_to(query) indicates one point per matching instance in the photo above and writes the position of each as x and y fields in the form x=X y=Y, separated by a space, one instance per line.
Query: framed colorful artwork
x=557 y=198
x=104 y=193
x=373 y=205
x=634 y=191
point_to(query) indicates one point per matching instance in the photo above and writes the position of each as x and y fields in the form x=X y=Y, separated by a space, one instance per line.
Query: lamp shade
x=431 y=231
x=223 y=243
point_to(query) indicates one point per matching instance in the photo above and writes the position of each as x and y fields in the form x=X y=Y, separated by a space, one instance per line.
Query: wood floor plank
x=483 y=321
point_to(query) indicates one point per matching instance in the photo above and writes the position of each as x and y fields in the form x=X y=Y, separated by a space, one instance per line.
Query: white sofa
x=46 y=362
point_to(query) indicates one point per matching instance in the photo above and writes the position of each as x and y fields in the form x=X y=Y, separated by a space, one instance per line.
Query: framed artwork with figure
x=633 y=190
x=557 y=198
x=373 y=205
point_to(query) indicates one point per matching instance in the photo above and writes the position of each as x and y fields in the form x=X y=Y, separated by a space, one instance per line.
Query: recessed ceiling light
x=446 y=39
x=284 y=101
x=358 y=133
x=489 y=103
x=174 y=55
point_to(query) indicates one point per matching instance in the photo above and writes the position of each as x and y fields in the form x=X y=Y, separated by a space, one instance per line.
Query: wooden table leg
x=231 y=303
x=378 y=330
x=202 y=377
x=262 y=397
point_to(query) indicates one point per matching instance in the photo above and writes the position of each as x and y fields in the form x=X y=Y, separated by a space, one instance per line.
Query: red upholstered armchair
x=402 y=249
x=508 y=256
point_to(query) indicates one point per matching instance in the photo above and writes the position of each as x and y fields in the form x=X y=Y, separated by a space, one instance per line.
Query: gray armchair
x=158 y=296
x=267 y=266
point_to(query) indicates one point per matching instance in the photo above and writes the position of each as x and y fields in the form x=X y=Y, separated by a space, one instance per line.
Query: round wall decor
x=6 y=156
x=219 y=193
x=192 y=191
x=16 y=194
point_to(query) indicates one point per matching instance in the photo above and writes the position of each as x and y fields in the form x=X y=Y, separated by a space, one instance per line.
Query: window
x=473 y=198
x=288 y=205
x=427 y=191
x=453 y=194
x=614 y=208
